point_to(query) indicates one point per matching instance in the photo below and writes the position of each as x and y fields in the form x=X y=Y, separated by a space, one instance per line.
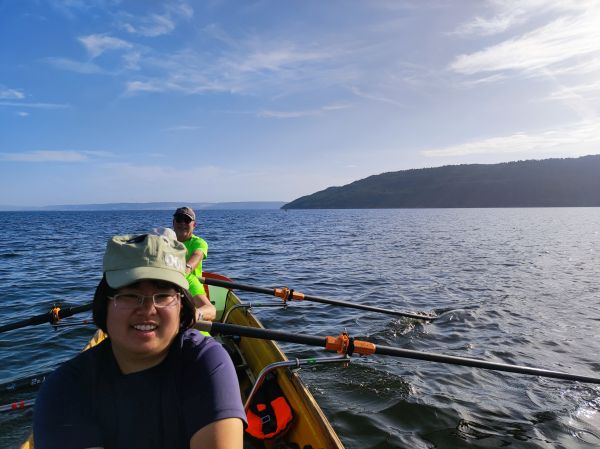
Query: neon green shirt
x=193 y=244
x=196 y=288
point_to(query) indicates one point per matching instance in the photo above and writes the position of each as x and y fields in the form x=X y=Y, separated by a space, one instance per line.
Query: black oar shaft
x=47 y=317
x=229 y=329
x=272 y=292
x=366 y=307
x=265 y=334
x=24 y=383
x=476 y=363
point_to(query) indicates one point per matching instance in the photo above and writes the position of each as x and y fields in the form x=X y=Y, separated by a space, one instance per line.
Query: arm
x=204 y=306
x=196 y=257
x=224 y=434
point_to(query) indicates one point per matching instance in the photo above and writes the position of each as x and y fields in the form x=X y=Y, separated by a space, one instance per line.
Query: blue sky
x=138 y=101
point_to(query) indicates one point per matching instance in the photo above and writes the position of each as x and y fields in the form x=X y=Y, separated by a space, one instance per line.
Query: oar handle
x=49 y=317
x=345 y=345
x=287 y=294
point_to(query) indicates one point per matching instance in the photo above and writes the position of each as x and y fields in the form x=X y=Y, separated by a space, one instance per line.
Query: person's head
x=184 y=221
x=142 y=301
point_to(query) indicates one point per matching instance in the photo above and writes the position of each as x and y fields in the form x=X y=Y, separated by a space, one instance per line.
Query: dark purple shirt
x=88 y=402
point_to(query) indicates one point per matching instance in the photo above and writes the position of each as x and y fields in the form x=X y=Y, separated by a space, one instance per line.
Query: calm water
x=510 y=285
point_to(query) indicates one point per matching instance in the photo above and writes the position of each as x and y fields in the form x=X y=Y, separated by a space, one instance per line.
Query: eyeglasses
x=133 y=300
x=182 y=219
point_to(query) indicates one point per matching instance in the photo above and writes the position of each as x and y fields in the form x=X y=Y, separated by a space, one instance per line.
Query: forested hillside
x=543 y=183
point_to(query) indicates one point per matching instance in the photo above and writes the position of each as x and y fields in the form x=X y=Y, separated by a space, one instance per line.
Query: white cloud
x=11 y=94
x=153 y=25
x=96 y=44
x=576 y=139
x=304 y=113
x=373 y=96
x=507 y=14
x=183 y=128
x=575 y=91
x=44 y=156
x=85 y=68
x=546 y=48
x=22 y=114
x=34 y=105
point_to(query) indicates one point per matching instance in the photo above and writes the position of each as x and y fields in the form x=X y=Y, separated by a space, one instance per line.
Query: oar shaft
x=19 y=405
x=476 y=363
x=366 y=307
x=229 y=329
x=265 y=334
x=46 y=317
x=24 y=383
x=272 y=292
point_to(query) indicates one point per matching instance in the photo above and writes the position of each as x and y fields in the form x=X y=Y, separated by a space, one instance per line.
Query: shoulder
x=83 y=366
x=197 y=242
x=201 y=353
x=194 y=342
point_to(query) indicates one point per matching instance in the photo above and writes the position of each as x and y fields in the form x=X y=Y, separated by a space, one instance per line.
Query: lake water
x=517 y=286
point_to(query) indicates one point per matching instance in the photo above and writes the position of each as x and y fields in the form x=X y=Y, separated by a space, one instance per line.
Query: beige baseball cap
x=131 y=258
x=186 y=211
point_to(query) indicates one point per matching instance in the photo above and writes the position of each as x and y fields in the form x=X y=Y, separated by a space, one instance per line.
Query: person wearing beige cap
x=154 y=382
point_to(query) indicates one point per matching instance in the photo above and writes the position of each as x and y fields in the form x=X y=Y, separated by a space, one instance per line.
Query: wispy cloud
x=566 y=39
x=153 y=25
x=85 y=68
x=183 y=128
x=96 y=44
x=53 y=156
x=34 y=105
x=303 y=113
x=578 y=138
x=374 y=96
x=23 y=114
x=507 y=14
x=10 y=94
x=44 y=156
x=250 y=66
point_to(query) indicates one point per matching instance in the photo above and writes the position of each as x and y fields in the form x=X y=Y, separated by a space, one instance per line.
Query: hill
x=543 y=183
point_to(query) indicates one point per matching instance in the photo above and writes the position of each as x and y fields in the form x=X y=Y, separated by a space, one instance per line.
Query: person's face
x=184 y=227
x=141 y=334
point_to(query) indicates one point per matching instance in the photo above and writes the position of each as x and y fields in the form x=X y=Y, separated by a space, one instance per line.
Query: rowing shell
x=253 y=358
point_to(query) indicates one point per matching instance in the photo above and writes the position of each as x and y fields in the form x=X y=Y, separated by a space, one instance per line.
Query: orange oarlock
x=54 y=314
x=287 y=294
x=348 y=346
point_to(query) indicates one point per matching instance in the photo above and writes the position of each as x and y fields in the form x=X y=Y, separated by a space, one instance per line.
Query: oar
x=53 y=316
x=19 y=405
x=24 y=383
x=290 y=295
x=345 y=345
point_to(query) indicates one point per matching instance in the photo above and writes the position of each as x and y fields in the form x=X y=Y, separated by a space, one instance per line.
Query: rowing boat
x=258 y=359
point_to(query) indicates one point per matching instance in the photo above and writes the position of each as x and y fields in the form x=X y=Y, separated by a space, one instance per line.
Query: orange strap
x=288 y=294
x=348 y=346
x=55 y=317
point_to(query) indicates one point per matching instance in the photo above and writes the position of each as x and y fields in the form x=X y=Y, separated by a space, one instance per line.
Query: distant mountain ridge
x=572 y=182
x=154 y=206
